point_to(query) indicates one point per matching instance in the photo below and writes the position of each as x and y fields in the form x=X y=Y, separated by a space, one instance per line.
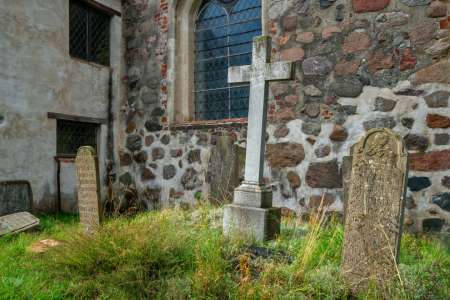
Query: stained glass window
x=224 y=34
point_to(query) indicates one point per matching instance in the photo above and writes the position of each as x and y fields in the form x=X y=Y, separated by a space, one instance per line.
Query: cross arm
x=239 y=74
x=280 y=71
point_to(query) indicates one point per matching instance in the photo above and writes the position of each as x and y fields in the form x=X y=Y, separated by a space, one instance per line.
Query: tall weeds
x=125 y=254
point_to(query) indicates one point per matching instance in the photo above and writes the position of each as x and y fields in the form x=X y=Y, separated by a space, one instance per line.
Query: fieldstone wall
x=360 y=65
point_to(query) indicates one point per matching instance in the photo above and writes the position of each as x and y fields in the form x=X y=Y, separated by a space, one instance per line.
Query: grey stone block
x=261 y=223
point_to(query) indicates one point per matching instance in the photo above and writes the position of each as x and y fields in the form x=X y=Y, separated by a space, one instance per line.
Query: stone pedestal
x=253 y=195
x=251 y=214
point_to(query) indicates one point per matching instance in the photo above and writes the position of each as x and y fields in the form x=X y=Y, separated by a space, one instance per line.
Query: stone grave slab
x=224 y=170
x=18 y=222
x=15 y=196
x=88 y=183
x=375 y=209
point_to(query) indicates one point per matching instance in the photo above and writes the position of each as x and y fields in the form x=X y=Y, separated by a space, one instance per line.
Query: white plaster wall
x=38 y=76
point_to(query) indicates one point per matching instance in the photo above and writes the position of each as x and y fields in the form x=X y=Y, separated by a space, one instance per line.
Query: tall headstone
x=88 y=182
x=15 y=196
x=252 y=213
x=375 y=209
x=224 y=170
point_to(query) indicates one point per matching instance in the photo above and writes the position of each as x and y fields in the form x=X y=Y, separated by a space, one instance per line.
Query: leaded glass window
x=224 y=34
x=88 y=33
x=71 y=136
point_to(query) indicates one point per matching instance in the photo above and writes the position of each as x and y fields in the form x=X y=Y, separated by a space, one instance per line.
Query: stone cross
x=15 y=196
x=88 y=182
x=375 y=209
x=259 y=74
x=252 y=213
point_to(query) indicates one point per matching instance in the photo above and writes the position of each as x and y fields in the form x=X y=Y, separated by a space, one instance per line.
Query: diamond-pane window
x=88 y=34
x=224 y=34
x=71 y=136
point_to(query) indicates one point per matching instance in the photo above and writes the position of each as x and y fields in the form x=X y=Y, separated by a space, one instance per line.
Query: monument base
x=261 y=223
x=253 y=194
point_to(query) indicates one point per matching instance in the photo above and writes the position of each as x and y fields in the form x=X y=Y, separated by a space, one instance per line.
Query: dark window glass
x=88 y=34
x=71 y=136
x=224 y=34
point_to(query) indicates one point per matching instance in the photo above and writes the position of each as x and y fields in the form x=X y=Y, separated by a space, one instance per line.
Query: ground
x=182 y=254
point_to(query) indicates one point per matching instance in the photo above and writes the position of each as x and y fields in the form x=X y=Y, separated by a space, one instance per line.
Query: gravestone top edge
x=360 y=145
x=89 y=149
x=19 y=181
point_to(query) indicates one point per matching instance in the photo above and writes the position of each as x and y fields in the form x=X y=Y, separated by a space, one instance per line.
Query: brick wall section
x=161 y=22
x=359 y=65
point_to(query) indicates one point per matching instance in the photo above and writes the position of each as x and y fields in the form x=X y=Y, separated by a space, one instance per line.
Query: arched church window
x=224 y=32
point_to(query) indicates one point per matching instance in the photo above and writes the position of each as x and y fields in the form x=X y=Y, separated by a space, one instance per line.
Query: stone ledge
x=226 y=123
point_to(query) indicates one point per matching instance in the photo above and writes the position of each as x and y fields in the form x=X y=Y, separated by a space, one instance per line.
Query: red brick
x=130 y=128
x=437 y=121
x=127 y=58
x=430 y=161
x=370 y=5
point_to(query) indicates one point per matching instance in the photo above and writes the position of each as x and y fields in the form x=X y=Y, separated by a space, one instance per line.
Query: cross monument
x=251 y=212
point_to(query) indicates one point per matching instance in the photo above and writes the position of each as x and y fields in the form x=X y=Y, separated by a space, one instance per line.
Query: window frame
x=96 y=134
x=77 y=120
x=99 y=9
x=180 y=60
x=229 y=9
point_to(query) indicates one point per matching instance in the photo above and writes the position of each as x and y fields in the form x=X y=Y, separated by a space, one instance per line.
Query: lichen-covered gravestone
x=375 y=209
x=15 y=196
x=224 y=170
x=88 y=182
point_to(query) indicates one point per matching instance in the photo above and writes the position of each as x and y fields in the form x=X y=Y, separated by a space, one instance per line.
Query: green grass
x=177 y=254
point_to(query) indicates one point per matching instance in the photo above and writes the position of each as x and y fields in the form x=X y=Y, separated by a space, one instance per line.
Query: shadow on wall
x=48 y=202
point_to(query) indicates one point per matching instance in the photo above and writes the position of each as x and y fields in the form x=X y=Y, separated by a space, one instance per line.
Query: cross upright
x=259 y=74
x=251 y=212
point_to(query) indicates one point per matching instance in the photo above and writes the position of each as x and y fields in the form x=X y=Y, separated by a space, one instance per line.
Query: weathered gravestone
x=224 y=170
x=88 y=182
x=375 y=209
x=18 y=222
x=15 y=196
x=252 y=213
x=347 y=162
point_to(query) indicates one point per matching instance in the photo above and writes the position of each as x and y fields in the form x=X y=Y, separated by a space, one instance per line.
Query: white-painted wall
x=37 y=76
